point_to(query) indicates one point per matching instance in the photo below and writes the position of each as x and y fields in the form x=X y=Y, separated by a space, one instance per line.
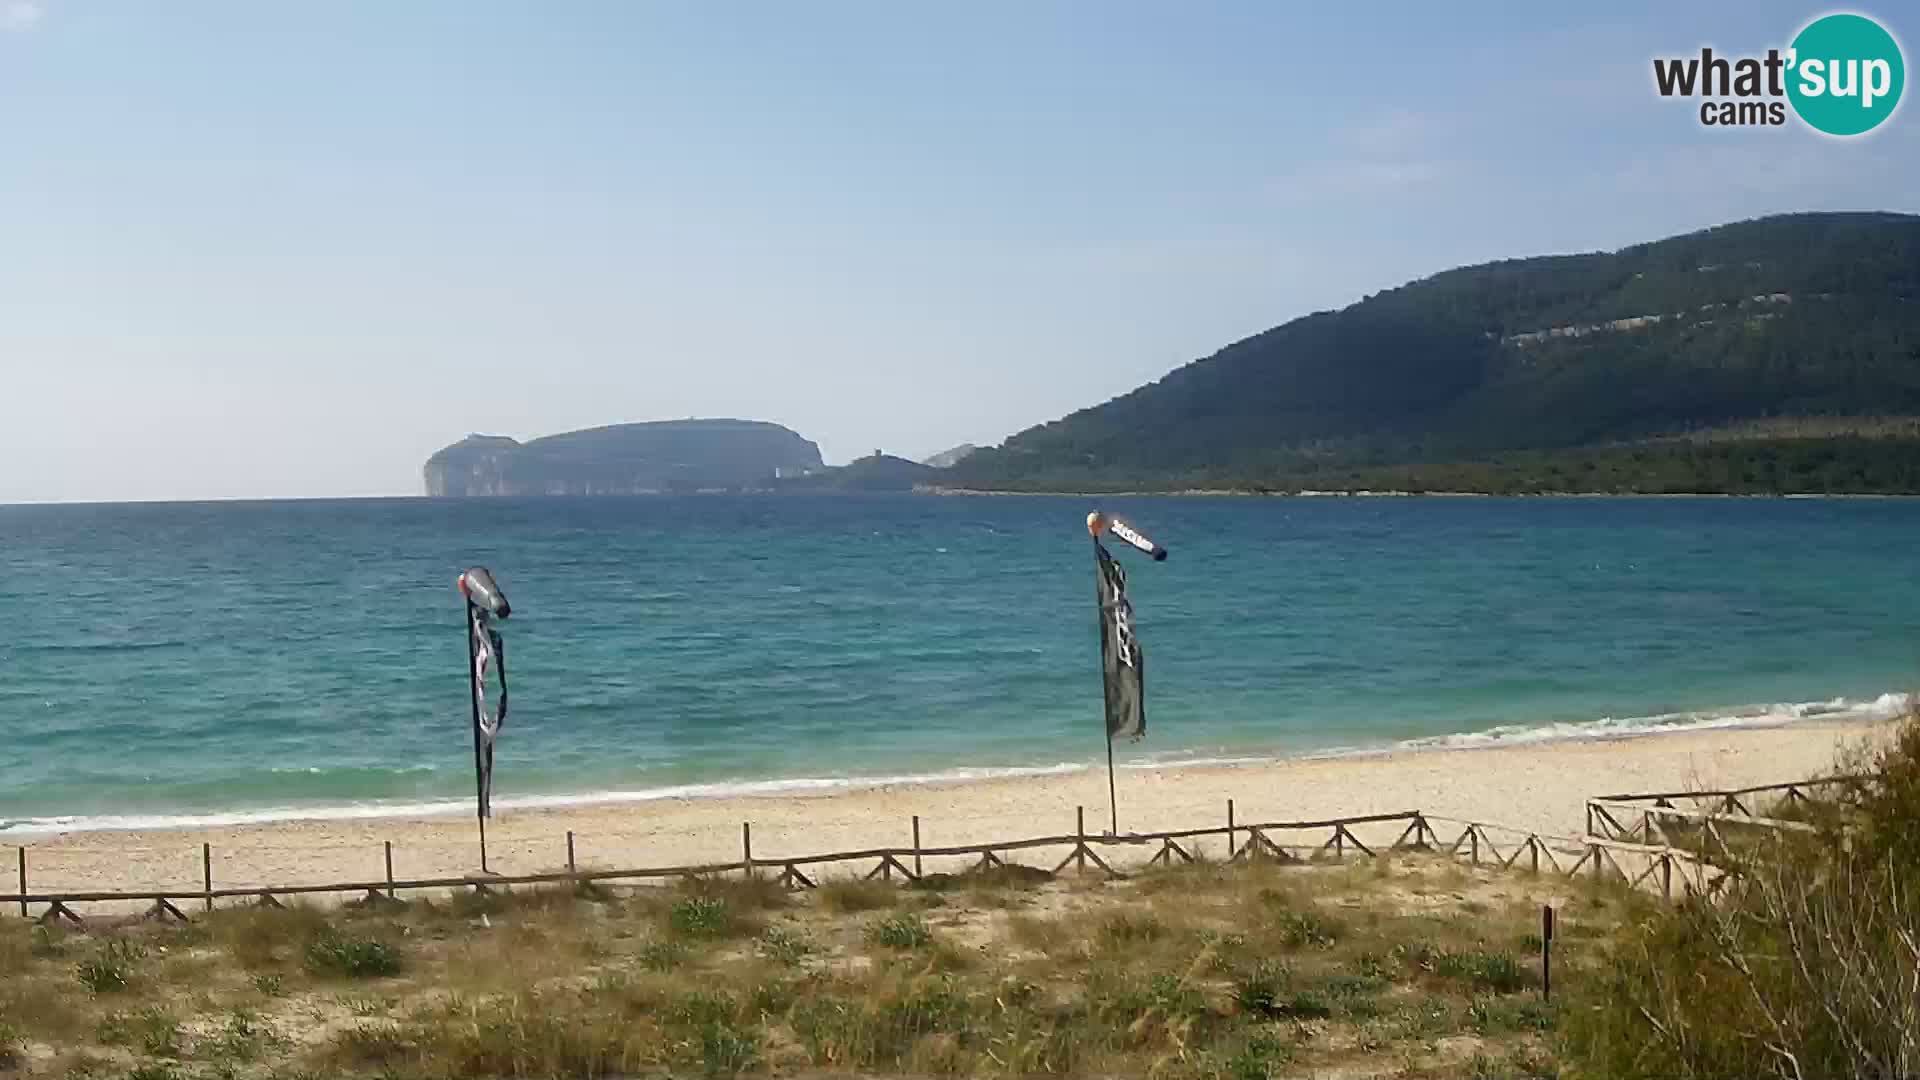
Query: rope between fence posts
x=226 y=889
x=995 y=850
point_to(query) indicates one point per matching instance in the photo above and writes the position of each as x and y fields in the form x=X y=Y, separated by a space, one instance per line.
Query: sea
x=188 y=663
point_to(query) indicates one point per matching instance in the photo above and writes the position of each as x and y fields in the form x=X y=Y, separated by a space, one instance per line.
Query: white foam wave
x=435 y=808
x=1882 y=707
x=318 y=770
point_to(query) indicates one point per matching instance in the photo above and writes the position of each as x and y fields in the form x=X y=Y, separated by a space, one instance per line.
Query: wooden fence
x=1597 y=858
x=1479 y=843
x=1731 y=802
x=1645 y=821
x=1698 y=832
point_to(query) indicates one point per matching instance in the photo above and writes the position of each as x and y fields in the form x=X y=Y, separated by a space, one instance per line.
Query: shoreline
x=431 y=807
x=1536 y=786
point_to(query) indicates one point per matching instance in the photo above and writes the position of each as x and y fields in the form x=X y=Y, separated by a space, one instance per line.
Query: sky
x=262 y=250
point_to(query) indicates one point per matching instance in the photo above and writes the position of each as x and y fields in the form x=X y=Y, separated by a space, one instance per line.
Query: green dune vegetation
x=1412 y=965
x=1805 y=964
x=1799 y=964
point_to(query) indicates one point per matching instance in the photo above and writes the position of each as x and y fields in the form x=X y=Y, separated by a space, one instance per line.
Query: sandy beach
x=1538 y=786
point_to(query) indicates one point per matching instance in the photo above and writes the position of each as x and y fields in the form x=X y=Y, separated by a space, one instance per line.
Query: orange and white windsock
x=477 y=585
x=1098 y=522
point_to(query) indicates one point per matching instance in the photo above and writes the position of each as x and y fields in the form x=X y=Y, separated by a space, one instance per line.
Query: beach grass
x=1409 y=965
x=1802 y=964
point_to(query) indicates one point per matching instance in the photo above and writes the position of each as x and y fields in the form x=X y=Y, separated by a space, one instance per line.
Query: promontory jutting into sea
x=1196 y=542
x=806 y=626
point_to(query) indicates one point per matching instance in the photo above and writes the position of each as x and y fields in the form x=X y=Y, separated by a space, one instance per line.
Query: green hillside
x=1780 y=354
x=624 y=459
x=875 y=472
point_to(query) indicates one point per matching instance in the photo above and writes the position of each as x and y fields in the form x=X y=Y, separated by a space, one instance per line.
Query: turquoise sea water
x=170 y=663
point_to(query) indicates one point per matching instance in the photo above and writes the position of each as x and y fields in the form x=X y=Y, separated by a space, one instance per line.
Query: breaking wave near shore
x=1885 y=706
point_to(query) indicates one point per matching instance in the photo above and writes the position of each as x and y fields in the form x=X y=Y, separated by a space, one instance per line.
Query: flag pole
x=1129 y=654
x=473 y=702
x=1113 y=798
x=1113 y=801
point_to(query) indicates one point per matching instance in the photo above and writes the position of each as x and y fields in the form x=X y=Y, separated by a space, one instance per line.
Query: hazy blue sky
x=276 y=249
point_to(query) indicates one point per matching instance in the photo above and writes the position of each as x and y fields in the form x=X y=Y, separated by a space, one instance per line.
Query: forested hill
x=1781 y=354
x=624 y=459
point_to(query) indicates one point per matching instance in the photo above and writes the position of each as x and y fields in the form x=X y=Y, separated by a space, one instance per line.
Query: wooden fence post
x=1546 y=952
x=1258 y=846
x=1230 y=848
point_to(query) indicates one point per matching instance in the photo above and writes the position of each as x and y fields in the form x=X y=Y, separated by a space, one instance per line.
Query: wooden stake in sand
x=1546 y=952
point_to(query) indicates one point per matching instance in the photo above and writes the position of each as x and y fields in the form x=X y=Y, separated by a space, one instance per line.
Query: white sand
x=1540 y=786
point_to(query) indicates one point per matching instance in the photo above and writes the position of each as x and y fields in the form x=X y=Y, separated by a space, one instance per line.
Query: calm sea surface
x=166 y=663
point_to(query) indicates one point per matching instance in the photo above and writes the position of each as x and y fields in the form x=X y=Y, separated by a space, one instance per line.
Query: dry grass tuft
x=850 y=896
x=1803 y=964
x=1206 y=971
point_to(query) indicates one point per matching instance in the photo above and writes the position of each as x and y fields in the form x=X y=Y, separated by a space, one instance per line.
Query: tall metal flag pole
x=1123 y=664
x=1113 y=791
x=485 y=649
x=473 y=699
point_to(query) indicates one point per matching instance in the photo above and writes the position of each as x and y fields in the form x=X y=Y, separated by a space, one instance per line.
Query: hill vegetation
x=624 y=459
x=950 y=457
x=874 y=473
x=1775 y=355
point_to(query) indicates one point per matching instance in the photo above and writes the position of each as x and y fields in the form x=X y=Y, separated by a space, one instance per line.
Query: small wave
x=1885 y=706
x=352 y=770
x=96 y=646
x=440 y=807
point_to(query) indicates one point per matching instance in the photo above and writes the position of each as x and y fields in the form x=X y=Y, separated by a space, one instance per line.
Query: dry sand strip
x=1539 y=786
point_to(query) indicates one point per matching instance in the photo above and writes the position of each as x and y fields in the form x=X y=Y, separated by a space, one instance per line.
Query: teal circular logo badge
x=1845 y=74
